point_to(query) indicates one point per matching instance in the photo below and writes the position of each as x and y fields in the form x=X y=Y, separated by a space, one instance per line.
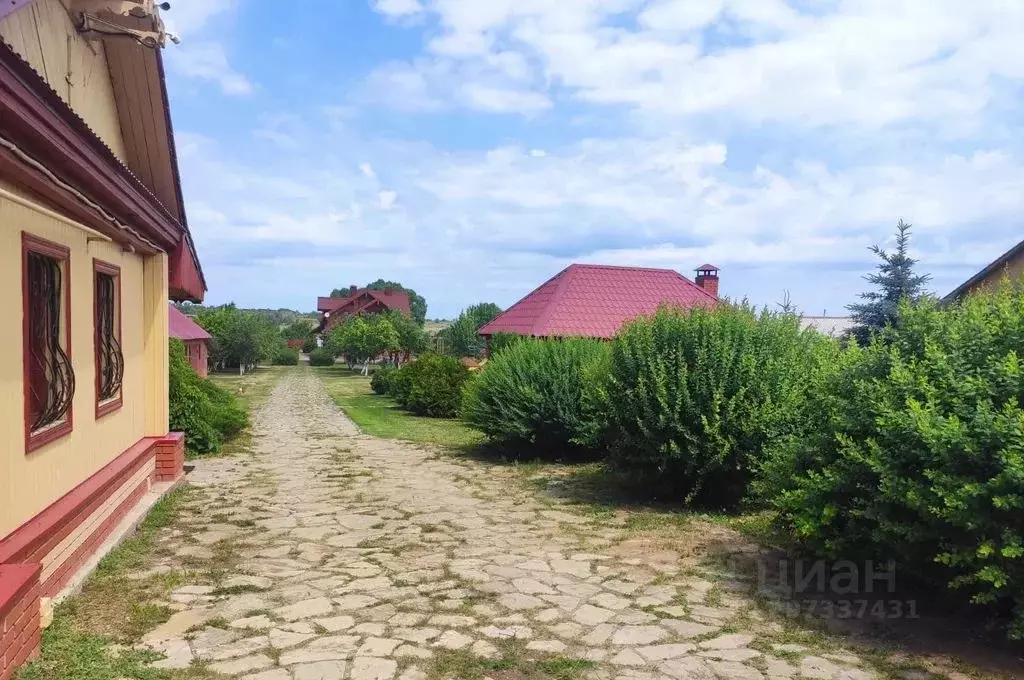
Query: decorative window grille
x=51 y=381
x=109 y=358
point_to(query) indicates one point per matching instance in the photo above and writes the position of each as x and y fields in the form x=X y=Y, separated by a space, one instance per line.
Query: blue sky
x=472 y=149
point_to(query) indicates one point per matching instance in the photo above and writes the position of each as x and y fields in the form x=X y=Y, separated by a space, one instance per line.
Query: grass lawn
x=380 y=417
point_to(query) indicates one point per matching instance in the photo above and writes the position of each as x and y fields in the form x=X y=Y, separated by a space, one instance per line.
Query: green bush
x=321 y=357
x=531 y=394
x=399 y=384
x=285 y=356
x=207 y=414
x=309 y=345
x=917 y=452
x=501 y=341
x=693 y=398
x=381 y=380
x=226 y=415
x=430 y=386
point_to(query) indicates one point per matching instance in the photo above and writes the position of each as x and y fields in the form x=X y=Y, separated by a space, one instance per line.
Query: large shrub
x=207 y=414
x=321 y=357
x=917 y=452
x=381 y=380
x=430 y=386
x=531 y=395
x=693 y=397
x=286 y=356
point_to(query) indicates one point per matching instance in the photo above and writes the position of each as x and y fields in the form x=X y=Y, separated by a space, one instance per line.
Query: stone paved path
x=329 y=555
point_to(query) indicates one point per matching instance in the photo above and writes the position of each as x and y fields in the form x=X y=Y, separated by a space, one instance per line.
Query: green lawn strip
x=379 y=416
x=84 y=641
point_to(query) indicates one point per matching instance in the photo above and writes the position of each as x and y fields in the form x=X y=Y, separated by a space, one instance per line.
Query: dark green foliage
x=531 y=394
x=916 y=452
x=430 y=386
x=309 y=345
x=693 y=398
x=226 y=416
x=412 y=339
x=381 y=380
x=895 y=281
x=285 y=356
x=240 y=338
x=207 y=414
x=461 y=339
x=321 y=357
x=301 y=329
x=500 y=341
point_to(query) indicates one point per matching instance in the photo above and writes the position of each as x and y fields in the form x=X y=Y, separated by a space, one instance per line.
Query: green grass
x=112 y=609
x=380 y=417
x=512 y=662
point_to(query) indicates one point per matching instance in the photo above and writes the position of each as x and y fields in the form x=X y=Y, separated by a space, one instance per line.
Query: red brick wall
x=19 y=616
x=170 y=457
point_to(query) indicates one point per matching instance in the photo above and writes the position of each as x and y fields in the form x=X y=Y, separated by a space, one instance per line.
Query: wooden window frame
x=100 y=267
x=33 y=244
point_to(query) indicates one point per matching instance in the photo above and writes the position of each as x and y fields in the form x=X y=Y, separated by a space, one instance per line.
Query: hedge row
x=206 y=413
x=909 y=448
x=429 y=386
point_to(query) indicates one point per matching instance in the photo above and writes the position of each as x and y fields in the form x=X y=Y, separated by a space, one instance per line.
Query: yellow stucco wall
x=29 y=483
x=75 y=68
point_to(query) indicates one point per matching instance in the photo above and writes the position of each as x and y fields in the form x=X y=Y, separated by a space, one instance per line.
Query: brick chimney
x=707 y=278
x=352 y=290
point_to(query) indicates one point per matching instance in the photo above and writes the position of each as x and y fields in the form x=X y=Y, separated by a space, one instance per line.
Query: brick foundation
x=170 y=457
x=19 y=616
x=39 y=558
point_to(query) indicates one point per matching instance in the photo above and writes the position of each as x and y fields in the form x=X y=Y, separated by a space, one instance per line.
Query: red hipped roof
x=184 y=328
x=594 y=301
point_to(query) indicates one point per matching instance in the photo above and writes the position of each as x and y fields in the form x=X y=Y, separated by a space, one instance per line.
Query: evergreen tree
x=894 y=281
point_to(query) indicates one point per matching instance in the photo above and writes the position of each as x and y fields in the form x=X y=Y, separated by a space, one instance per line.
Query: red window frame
x=100 y=267
x=33 y=244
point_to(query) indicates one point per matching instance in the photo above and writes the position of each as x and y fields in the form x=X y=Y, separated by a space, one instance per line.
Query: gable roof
x=139 y=85
x=586 y=300
x=184 y=328
x=990 y=269
x=350 y=304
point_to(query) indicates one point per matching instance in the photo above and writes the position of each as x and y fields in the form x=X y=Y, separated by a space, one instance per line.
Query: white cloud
x=863 y=62
x=367 y=170
x=387 y=199
x=187 y=17
x=497 y=99
x=209 y=61
x=397 y=8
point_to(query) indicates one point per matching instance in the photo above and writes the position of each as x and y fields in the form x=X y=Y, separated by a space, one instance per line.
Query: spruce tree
x=894 y=281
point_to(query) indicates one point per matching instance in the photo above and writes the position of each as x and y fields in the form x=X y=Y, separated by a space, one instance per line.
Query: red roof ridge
x=580 y=265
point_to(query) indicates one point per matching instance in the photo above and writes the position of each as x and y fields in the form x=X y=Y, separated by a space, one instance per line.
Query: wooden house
x=93 y=244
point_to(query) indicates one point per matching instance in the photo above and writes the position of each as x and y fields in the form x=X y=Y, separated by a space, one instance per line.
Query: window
x=109 y=358
x=49 y=378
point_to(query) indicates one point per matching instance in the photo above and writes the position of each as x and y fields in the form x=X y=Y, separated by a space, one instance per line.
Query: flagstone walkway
x=330 y=555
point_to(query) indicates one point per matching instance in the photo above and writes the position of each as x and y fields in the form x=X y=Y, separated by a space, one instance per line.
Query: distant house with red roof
x=366 y=301
x=594 y=301
x=197 y=340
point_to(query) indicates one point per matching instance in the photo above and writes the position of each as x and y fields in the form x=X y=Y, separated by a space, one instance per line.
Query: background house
x=1010 y=263
x=594 y=301
x=93 y=242
x=334 y=310
x=197 y=341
